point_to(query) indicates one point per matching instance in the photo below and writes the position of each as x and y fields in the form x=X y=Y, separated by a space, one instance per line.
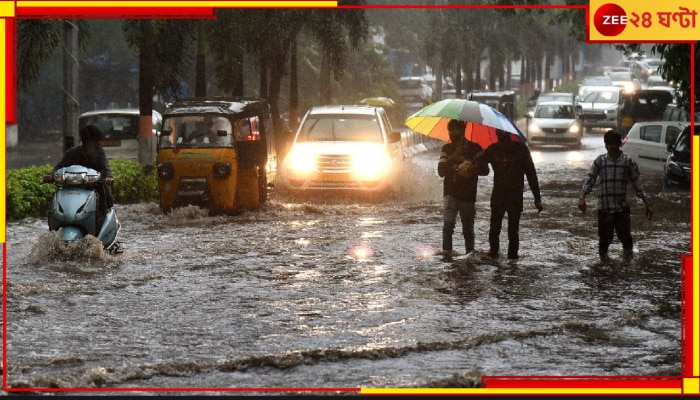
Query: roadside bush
x=133 y=183
x=26 y=196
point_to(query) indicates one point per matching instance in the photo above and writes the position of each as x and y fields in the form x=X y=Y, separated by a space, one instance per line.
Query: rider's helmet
x=90 y=133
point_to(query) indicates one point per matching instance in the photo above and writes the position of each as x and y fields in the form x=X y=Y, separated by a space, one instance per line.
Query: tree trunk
x=146 y=63
x=293 y=87
x=71 y=107
x=324 y=78
x=200 y=80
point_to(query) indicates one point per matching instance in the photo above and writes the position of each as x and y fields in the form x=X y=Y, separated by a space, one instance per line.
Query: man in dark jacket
x=460 y=174
x=510 y=160
x=89 y=154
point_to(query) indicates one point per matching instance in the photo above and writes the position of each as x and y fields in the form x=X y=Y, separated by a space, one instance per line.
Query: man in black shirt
x=90 y=154
x=510 y=160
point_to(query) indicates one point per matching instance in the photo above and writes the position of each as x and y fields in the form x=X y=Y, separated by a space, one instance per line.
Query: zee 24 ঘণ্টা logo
x=611 y=19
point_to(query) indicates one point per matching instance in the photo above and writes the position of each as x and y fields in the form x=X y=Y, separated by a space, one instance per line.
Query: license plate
x=332 y=177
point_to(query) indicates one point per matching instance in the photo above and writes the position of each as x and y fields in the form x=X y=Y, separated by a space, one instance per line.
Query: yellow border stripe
x=484 y=391
x=136 y=4
x=3 y=133
x=695 y=212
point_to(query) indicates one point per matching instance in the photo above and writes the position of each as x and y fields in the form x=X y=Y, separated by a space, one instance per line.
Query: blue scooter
x=74 y=208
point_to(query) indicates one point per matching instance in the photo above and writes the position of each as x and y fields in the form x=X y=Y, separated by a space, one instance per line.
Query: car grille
x=332 y=162
x=554 y=130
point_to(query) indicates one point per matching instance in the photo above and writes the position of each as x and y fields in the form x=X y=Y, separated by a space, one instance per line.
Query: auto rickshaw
x=217 y=153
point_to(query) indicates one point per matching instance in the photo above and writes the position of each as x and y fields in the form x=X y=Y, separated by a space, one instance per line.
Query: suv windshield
x=341 y=127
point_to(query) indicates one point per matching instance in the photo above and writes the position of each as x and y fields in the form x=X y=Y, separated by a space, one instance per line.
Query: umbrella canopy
x=482 y=121
x=378 y=101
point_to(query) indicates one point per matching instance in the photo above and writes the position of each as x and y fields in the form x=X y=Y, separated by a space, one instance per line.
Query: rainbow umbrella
x=482 y=121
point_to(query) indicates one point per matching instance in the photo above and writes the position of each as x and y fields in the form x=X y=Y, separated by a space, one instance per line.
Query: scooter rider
x=90 y=154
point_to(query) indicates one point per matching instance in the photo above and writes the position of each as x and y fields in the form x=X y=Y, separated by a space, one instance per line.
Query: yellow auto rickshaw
x=217 y=153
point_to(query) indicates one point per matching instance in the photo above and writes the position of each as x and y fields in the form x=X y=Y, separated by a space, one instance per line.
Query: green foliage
x=132 y=184
x=26 y=196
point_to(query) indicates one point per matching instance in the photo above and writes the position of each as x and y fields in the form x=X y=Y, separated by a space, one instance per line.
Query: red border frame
x=528 y=384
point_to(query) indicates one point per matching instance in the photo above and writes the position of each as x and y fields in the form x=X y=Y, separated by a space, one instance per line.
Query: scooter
x=74 y=208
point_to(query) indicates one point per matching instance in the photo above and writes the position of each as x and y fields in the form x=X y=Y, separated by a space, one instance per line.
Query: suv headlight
x=371 y=164
x=301 y=159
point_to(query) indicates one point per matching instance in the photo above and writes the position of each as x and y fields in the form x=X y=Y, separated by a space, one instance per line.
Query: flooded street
x=322 y=292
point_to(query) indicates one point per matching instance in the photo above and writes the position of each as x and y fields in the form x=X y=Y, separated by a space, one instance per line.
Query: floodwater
x=327 y=292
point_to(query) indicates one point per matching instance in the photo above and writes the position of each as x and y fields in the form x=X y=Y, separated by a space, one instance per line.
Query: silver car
x=554 y=122
x=343 y=148
x=599 y=108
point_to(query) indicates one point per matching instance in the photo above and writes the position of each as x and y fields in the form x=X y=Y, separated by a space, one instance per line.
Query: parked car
x=600 y=106
x=120 y=131
x=647 y=143
x=677 y=171
x=642 y=105
x=345 y=148
x=414 y=89
x=590 y=82
x=554 y=122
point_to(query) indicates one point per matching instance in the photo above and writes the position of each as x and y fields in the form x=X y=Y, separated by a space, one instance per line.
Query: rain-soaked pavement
x=341 y=293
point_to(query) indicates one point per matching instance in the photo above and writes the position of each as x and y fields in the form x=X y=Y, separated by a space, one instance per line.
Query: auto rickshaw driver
x=204 y=131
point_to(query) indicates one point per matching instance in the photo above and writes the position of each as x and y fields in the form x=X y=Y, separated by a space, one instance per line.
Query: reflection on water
x=309 y=293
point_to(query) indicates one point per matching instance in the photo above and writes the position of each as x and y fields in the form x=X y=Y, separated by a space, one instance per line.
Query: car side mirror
x=529 y=115
x=670 y=148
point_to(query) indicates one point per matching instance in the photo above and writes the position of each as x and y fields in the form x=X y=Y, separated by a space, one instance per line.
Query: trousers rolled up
x=467 y=212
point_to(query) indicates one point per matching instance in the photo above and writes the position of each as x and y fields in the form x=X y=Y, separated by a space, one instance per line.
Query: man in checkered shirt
x=615 y=170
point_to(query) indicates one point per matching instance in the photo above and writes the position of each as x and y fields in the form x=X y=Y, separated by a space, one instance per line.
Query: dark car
x=641 y=105
x=677 y=170
x=503 y=101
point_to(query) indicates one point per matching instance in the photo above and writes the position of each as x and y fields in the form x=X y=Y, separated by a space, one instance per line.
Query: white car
x=554 y=122
x=627 y=80
x=600 y=106
x=345 y=148
x=592 y=82
x=120 y=131
x=647 y=143
x=414 y=89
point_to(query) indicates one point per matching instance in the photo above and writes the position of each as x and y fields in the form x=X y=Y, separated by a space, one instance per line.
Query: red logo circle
x=610 y=19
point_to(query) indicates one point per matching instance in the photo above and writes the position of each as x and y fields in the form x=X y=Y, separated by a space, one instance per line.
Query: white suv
x=343 y=147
